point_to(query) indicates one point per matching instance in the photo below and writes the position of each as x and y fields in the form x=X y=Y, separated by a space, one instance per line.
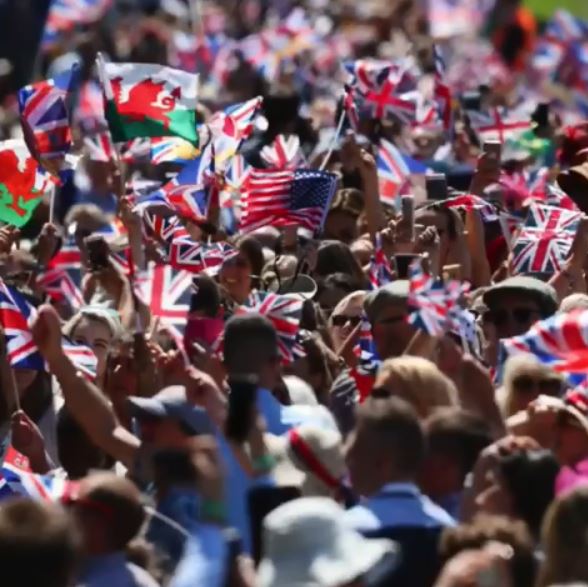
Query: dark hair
x=38 y=544
x=342 y=281
x=459 y=434
x=485 y=528
x=336 y=257
x=396 y=429
x=250 y=342
x=206 y=298
x=253 y=250
x=447 y=212
x=530 y=477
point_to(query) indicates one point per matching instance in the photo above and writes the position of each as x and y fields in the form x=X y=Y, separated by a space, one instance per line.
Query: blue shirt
x=113 y=570
x=397 y=504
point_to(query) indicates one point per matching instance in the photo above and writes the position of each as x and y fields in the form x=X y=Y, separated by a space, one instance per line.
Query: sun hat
x=308 y=544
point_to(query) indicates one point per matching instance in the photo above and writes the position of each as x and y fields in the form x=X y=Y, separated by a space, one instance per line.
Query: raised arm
x=86 y=403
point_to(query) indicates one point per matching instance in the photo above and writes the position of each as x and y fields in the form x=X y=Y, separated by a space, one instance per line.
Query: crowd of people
x=380 y=382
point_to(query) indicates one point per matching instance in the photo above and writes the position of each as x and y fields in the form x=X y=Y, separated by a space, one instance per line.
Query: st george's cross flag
x=148 y=100
x=283 y=198
x=545 y=239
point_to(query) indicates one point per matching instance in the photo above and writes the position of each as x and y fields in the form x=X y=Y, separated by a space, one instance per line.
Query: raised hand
x=46 y=330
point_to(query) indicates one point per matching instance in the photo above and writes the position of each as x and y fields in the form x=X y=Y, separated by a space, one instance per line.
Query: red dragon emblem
x=17 y=187
x=146 y=100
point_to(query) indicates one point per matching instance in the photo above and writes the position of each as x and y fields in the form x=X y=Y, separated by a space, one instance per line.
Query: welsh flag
x=144 y=100
x=22 y=183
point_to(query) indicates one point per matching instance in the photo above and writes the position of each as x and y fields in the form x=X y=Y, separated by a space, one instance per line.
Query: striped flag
x=380 y=271
x=99 y=147
x=283 y=153
x=283 y=198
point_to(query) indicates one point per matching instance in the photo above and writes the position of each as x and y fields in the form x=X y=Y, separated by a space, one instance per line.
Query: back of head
x=419 y=382
x=486 y=529
x=573 y=302
x=565 y=536
x=393 y=428
x=458 y=434
x=536 y=469
x=38 y=544
x=119 y=502
x=250 y=343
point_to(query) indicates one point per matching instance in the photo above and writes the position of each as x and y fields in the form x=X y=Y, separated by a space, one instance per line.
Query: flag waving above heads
x=282 y=198
x=44 y=114
x=147 y=100
x=545 y=239
x=22 y=183
x=283 y=153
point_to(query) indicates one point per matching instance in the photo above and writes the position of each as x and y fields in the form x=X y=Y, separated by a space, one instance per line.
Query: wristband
x=213 y=510
x=264 y=464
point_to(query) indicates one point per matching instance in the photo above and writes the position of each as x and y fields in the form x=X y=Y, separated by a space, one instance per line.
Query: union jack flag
x=380 y=271
x=232 y=126
x=465 y=202
x=89 y=112
x=393 y=172
x=560 y=342
x=497 y=124
x=369 y=361
x=44 y=115
x=63 y=277
x=164 y=228
x=544 y=240
x=15 y=313
x=82 y=356
x=187 y=194
x=195 y=256
x=435 y=304
x=350 y=107
x=285 y=313
x=100 y=147
x=172 y=150
x=166 y=291
x=16 y=478
x=283 y=153
x=283 y=198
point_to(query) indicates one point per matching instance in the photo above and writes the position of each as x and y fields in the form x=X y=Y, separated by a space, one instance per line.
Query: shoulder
x=436 y=513
x=362 y=518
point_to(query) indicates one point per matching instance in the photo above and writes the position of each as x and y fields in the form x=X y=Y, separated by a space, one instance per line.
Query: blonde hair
x=355 y=297
x=565 y=540
x=419 y=382
x=523 y=364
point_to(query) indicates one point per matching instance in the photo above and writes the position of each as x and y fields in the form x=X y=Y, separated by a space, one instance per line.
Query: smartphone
x=471 y=101
x=242 y=396
x=541 y=114
x=436 y=185
x=261 y=501
x=493 y=149
x=98 y=251
x=407 y=208
x=402 y=263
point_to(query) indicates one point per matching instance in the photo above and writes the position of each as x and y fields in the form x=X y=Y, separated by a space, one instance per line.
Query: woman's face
x=235 y=277
x=344 y=319
x=495 y=499
x=95 y=334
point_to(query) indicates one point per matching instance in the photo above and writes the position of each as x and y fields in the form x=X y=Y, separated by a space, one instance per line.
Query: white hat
x=308 y=544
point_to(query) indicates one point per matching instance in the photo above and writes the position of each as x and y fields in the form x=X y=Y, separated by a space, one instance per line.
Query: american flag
x=17 y=479
x=282 y=198
x=285 y=313
x=44 y=115
x=232 y=126
x=195 y=256
x=283 y=153
x=393 y=172
x=435 y=304
x=63 y=277
x=380 y=271
x=99 y=147
x=544 y=240
x=166 y=291
x=560 y=342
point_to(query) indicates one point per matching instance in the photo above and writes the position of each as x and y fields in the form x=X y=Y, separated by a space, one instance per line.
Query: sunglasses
x=502 y=317
x=526 y=384
x=341 y=320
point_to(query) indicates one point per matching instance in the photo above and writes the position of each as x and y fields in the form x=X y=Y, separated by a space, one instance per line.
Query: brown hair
x=565 y=539
x=38 y=544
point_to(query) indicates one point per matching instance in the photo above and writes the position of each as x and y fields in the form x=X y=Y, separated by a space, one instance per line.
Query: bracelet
x=214 y=510
x=264 y=463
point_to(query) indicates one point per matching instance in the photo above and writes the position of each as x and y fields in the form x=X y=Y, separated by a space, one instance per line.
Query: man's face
x=341 y=226
x=391 y=330
x=512 y=314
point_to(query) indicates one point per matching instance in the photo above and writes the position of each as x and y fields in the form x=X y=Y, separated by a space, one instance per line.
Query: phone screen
x=436 y=184
x=242 y=396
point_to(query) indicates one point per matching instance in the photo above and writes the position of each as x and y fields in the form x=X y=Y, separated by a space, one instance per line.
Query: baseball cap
x=171 y=402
